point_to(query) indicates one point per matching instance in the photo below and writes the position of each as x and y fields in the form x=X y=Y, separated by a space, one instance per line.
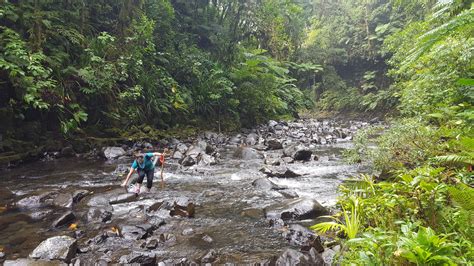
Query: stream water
x=229 y=209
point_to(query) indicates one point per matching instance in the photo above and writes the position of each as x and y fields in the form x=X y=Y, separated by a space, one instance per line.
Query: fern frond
x=463 y=196
x=454 y=159
x=327 y=226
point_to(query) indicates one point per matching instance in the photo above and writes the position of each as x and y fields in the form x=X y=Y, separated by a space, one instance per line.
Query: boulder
x=122 y=198
x=65 y=219
x=328 y=256
x=265 y=184
x=36 y=201
x=279 y=171
x=188 y=161
x=98 y=214
x=289 y=194
x=298 y=153
x=183 y=207
x=112 y=153
x=140 y=258
x=194 y=151
x=187 y=231
x=251 y=139
x=303 y=237
x=294 y=257
x=177 y=155
x=299 y=209
x=205 y=160
x=274 y=144
x=78 y=195
x=62 y=248
x=64 y=200
x=133 y=232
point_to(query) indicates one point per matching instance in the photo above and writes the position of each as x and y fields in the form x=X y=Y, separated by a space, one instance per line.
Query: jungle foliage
x=418 y=209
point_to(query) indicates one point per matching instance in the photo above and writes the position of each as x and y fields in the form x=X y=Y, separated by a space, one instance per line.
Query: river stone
x=265 y=184
x=251 y=139
x=64 y=200
x=207 y=239
x=209 y=257
x=56 y=248
x=37 y=201
x=140 y=258
x=299 y=209
x=122 y=198
x=188 y=161
x=187 y=232
x=177 y=155
x=132 y=232
x=98 y=200
x=293 y=257
x=298 y=153
x=99 y=214
x=328 y=256
x=274 y=144
x=113 y=152
x=65 y=219
x=205 y=160
x=194 y=151
x=183 y=207
x=289 y=194
x=279 y=171
x=303 y=237
x=78 y=195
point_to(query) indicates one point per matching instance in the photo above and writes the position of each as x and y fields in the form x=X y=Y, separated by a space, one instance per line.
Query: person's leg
x=141 y=176
x=149 y=178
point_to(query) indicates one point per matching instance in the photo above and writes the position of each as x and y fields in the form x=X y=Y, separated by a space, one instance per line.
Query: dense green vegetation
x=419 y=209
x=131 y=67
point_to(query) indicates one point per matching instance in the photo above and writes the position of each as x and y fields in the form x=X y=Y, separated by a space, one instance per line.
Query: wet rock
x=279 y=171
x=299 y=209
x=187 y=232
x=293 y=257
x=121 y=169
x=183 y=207
x=298 y=153
x=205 y=160
x=272 y=123
x=122 y=198
x=65 y=219
x=274 y=144
x=265 y=184
x=133 y=232
x=78 y=195
x=210 y=257
x=272 y=161
x=41 y=214
x=67 y=152
x=181 y=147
x=98 y=200
x=207 y=239
x=251 y=139
x=246 y=153
x=188 y=161
x=151 y=243
x=64 y=200
x=112 y=153
x=302 y=236
x=167 y=238
x=99 y=214
x=141 y=258
x=37 y=201
x=289 y=194
x=155 y=206
x=62 y=248
x=177 y=155
x=328 y=256
x=194 y=151
x=288 y=160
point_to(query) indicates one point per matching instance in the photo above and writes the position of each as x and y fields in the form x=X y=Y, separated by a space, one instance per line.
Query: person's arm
x=132 y=170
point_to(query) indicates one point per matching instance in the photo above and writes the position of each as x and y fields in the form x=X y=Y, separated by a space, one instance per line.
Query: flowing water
x=228 y=208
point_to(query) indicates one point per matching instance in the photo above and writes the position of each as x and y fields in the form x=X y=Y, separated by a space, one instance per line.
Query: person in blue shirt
x=144 y=166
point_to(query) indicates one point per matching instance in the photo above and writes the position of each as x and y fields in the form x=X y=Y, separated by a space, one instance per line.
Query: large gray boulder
x=65 y=219
x=299 y=209
x=62 y=248
x=112 y=153
x=298 y=152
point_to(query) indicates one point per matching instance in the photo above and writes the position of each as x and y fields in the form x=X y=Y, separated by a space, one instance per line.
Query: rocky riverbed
x=246 y=198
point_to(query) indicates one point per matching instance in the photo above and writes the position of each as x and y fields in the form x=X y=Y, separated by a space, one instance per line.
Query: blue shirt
x=147 y=163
